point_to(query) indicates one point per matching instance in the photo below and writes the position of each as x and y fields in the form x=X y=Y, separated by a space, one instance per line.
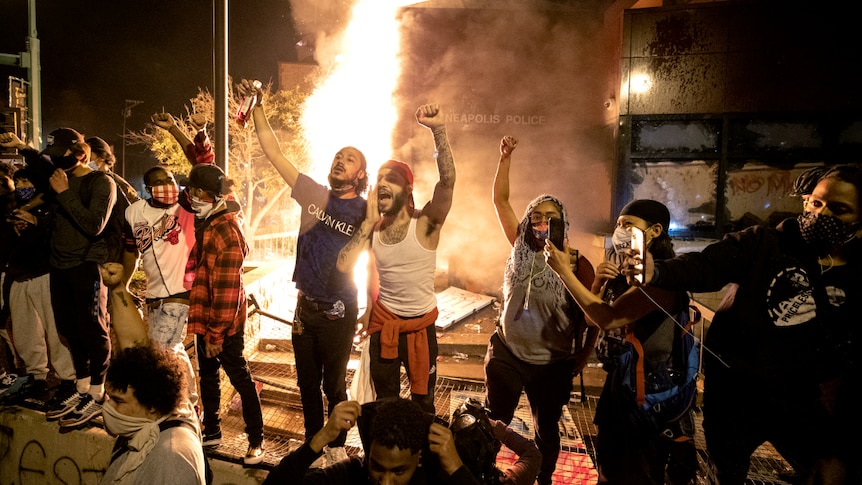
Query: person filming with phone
x=542 y=339
x=783 y=358
x=627 y=452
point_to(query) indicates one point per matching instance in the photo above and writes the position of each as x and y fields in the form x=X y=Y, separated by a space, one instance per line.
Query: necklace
x=530 y=282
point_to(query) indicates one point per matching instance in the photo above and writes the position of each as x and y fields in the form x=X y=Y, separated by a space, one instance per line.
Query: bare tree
x=258 y=187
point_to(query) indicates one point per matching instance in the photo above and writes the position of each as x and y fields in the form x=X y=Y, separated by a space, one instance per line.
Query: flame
x=354 y=105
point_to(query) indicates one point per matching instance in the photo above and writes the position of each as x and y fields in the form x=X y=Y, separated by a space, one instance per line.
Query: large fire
x=354 y=105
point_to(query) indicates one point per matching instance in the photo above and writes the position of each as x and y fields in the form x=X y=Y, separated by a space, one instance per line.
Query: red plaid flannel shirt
x=218 y=305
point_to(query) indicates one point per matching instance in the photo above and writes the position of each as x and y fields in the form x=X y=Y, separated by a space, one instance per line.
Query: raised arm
x=126 y=321
x=505 y=213
x=430 y=116
x=167 y=122
x=266 y=136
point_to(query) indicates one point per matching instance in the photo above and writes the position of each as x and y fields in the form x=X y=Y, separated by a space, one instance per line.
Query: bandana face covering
x=165 y=194
x=541 y=230
x=621 y=240
x=143 y=433
x=824 y=232
x=202 y=208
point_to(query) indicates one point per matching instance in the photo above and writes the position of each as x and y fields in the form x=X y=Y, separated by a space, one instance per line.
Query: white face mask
x=202 y=208
x=622 y=240
x=143 y=434
x=119 y=424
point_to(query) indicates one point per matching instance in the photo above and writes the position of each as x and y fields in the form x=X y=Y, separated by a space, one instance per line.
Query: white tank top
x=406 y=272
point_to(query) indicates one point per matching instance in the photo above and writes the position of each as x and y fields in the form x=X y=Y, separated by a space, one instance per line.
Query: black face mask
x=824 y=232
x=65 y=162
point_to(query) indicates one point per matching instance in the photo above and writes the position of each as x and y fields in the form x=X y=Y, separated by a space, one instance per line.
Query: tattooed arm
x=126 y=320
x=436 y=210
x=361 y=239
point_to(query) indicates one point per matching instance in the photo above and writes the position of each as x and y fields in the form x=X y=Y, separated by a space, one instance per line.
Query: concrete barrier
x=34 y=451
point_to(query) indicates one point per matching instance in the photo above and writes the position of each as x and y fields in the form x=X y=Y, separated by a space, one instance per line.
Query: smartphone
x=557 y=233
x=638 y=246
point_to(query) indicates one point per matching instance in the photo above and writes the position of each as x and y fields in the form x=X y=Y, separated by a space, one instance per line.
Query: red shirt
x=218 y=305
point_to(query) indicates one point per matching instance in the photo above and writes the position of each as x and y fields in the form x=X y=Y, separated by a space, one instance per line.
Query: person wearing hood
x=542 y=339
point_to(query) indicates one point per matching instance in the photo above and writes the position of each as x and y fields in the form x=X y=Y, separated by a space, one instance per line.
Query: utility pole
x=127 y=112
x=31 y=61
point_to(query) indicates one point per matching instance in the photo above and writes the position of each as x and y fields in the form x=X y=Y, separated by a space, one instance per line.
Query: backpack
x=114 y=232
x=172 y=423
x=122 y=446
x=662 y=399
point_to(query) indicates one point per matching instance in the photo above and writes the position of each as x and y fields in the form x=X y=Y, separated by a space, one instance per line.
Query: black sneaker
x=87 y=409
x=35 y=394
x=6 y=380
x=211 y=437
x=63 y=402
x=15 y=388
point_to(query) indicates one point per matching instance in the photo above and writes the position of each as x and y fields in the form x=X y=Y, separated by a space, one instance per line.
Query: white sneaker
x=334 y=454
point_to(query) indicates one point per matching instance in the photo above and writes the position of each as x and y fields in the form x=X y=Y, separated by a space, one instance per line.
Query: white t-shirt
x=164 y=237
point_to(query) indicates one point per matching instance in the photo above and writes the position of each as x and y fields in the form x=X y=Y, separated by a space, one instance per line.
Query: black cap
x=648 y=210
x=61 y=140
x=207 y=177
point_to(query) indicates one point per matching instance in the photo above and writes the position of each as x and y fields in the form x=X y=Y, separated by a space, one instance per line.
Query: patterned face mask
x=825 y=232
x=165 y=194
x=24 y=194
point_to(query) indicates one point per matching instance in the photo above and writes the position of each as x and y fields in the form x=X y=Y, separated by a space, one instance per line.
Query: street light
x=127 y=112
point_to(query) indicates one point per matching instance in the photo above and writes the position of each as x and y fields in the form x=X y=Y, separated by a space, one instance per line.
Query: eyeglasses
x=540 y=218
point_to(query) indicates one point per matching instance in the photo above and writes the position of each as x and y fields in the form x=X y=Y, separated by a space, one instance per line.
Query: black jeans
x=322 y=351
x=80 y=300
x=547 y=387
x=386 y=373
x=231 y=360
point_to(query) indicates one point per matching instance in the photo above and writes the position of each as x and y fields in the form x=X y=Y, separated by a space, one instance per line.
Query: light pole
x=127 y=112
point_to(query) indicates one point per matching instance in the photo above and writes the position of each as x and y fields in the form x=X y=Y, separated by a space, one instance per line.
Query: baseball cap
x=60 y=140
x=207 y=177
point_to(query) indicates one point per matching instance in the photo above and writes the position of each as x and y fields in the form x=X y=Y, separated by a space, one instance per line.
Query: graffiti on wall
x=35 y=465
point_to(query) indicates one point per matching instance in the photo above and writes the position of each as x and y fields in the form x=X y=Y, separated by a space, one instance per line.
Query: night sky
x=95 y=54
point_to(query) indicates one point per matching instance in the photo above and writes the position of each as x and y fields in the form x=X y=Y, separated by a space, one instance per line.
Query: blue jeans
x=167 y=327
x=168 y=324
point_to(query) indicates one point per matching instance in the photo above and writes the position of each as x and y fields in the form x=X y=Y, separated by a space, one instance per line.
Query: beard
x=341 y=185
x=398 y=202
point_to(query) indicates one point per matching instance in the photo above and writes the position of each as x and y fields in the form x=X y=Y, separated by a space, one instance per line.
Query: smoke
x=530 y=73
x=522 y=70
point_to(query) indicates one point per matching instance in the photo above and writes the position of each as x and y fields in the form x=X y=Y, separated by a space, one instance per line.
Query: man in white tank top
x=404 y=241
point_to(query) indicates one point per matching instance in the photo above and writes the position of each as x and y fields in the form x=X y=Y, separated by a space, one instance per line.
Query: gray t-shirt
x=542 y=333
x=177 y=458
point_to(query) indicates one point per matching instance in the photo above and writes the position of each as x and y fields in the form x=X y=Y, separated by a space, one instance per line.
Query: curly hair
x=400 y=423
x=155 y=376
